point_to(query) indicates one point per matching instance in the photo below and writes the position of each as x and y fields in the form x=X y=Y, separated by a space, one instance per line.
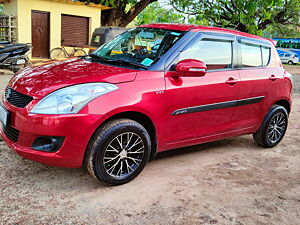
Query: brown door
x=40 y=34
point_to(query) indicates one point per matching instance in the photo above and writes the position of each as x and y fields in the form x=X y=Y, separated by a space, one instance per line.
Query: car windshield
x=139 y=47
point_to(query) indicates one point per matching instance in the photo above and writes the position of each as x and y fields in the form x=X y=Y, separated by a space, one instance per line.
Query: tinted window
x=215 y=54
x=287 y=55
x=265 y=55
x=251 y=55
x=281 y=55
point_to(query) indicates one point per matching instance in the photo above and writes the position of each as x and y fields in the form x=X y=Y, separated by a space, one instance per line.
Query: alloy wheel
x=123 y=155
x=277 y=127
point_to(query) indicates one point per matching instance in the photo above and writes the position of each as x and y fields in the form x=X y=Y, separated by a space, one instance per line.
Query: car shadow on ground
x=210 y=146
x=80 y=179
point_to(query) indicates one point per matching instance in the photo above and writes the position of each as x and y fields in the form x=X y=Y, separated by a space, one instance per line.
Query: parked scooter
x=14 y=56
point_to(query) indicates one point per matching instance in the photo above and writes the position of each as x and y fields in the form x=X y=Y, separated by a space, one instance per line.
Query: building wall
x=22 y=9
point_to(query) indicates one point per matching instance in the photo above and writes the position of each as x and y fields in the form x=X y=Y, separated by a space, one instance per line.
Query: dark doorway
x=40 y=34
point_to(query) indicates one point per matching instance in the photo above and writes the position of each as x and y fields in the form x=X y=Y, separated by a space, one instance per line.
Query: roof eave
x=101 y=7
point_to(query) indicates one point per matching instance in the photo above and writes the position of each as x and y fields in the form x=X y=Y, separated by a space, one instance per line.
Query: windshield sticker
x=147 y=62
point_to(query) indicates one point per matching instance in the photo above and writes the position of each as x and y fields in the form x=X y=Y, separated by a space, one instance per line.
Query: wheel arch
x=139 y=117
x=284 y=103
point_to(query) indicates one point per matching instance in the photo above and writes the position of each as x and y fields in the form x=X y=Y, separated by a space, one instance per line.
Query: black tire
x=28 y=63
x=290 y=62
x=105 y=145
x=17 y=68
x=57 y=53
x=268 y=134
x=79 y=52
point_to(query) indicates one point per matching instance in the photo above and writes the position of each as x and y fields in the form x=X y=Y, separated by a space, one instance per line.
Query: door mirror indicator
x=190 y=68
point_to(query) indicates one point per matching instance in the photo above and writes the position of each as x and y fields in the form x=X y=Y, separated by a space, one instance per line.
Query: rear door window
x=215 y=54
x=251 y=55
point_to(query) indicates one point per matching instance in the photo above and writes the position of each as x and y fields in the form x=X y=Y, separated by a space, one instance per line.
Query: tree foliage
x=150 y=15
x=282 y=31
x=166 y=15
x=120 y=14
x=244 y=15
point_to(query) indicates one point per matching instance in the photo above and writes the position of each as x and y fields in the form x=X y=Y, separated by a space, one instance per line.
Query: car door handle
x=273 y=77
x=231 y=81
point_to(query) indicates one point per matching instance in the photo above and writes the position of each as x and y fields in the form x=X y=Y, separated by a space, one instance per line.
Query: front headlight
x=71 y=99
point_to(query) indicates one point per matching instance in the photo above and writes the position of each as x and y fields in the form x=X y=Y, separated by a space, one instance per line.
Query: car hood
x=38 y=81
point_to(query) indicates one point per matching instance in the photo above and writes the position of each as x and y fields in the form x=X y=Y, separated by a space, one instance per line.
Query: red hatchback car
x=153 y=88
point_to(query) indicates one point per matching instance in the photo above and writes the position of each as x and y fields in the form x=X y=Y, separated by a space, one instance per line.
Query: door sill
x=213 y=136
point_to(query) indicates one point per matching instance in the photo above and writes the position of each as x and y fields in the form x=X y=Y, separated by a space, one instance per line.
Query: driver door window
x=215 y=54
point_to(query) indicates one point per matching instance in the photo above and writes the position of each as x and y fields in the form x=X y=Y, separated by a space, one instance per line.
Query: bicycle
x=62 y=53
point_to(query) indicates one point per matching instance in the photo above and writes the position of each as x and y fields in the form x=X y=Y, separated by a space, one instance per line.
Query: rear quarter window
x=265 y=55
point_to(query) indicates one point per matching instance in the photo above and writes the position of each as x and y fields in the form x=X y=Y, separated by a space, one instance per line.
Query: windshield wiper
x=119 y=61
x=122 y=61
x=95 y=56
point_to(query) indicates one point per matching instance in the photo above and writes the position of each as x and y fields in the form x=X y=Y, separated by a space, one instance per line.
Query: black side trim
x=220 y=105
x=203 y=108
x=249 y=101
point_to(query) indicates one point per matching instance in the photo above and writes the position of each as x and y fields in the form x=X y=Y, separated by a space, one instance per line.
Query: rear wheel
x=290 y=62
x=79 y=52
x=273 y=127
x=57 y=53
x=119 y=151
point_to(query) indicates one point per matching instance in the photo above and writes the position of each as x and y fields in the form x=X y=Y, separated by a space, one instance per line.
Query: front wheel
x=273 y=127
x=118 y=152
x=291 y=62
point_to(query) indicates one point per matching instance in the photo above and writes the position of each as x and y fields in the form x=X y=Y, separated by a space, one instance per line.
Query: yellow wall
x=22 y=9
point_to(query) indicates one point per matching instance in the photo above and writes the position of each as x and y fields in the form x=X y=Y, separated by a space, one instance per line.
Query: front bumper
x=76 y=128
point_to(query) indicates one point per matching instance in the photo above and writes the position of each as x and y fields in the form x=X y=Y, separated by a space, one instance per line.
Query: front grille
x=16 y=98
x=11 y=133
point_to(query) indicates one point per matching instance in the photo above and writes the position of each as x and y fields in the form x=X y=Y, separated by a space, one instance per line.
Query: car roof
x=197 y=28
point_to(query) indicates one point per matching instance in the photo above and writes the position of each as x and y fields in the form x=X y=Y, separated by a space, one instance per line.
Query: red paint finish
x=155 y=94
x=184 y=92
x=36 y=81
x=190 y=68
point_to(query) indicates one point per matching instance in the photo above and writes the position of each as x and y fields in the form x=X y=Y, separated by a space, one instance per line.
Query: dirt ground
x=226 y=182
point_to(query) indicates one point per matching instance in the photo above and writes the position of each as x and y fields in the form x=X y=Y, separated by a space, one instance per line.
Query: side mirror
x=191 y=68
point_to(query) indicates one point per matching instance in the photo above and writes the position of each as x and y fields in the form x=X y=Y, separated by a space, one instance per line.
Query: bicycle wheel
x=79 y=52
x=57 y=53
